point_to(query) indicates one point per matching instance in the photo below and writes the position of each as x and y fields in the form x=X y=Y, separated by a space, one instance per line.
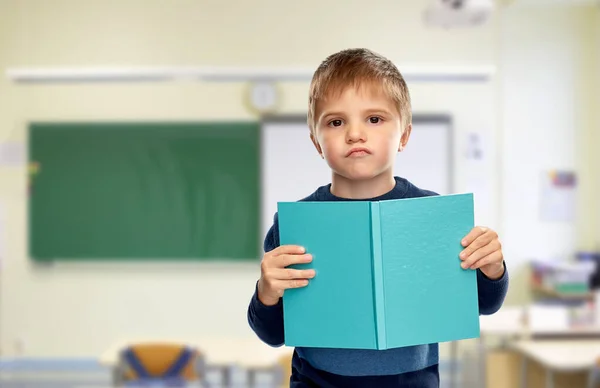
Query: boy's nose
x=355 y=133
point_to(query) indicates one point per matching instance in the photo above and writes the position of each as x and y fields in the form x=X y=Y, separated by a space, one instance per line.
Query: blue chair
x=160 y=365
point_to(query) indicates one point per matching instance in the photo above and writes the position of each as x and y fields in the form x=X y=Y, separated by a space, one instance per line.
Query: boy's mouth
x=357 y=152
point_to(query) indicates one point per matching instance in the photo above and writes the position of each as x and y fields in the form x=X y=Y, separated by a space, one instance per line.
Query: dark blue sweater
x=412 y=366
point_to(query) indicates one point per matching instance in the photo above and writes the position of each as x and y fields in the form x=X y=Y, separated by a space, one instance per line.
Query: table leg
x=278 y=379
x=116 y=376
x=453 y=360
x=482 y=363
x=523 y=371
x=591 y=378
x=549 y=378
x=253 y=373
x=226 y=379
x=251 y=376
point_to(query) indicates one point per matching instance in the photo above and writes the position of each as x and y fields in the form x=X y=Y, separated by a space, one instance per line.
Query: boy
x=359 y=117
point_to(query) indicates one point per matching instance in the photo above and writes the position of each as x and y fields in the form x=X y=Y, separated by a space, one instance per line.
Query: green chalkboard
x=144 y=191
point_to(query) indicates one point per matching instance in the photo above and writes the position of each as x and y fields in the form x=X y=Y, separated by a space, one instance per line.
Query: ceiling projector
x=458 y=13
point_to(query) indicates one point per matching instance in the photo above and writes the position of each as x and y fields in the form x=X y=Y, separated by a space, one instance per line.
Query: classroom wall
x=78 y=310
x=596 y=227
x=596 y=136
x=548 y=106
x=594 y=139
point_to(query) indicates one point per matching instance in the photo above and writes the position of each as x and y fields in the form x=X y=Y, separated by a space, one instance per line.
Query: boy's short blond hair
x=357 y=67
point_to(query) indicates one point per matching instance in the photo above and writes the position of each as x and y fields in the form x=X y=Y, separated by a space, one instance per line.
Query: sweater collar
x=399 y=191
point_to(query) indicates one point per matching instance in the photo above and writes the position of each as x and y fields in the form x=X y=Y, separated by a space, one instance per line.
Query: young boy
x=359 y=114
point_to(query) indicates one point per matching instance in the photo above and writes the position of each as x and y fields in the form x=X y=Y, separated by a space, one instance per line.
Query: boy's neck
x=362 y=189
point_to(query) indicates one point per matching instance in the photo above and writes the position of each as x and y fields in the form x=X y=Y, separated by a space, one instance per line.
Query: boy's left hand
x=484 y=251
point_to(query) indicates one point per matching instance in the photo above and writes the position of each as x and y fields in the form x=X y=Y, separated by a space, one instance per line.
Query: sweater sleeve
x=267 y=321
x=491 y=293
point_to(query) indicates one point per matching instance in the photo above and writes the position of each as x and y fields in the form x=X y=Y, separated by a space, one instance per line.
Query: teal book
x=388 y=273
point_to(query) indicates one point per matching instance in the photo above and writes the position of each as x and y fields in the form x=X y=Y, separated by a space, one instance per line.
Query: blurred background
x=144 y=145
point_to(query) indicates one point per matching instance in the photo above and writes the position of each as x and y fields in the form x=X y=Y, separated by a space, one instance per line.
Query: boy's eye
x=335 y=123
x=374 y=120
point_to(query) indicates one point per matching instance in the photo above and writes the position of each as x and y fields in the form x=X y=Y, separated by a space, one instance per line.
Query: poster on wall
x=12 y=154
x=477 y=176
x=558 y=196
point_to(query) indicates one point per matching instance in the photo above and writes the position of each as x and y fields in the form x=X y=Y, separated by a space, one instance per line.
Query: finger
x=494 y=257
x=287 y=284
x=479 y=242
x=282 y=261
x=473 y=235
x=290 y=274
x=288 y=250
x=480 y=253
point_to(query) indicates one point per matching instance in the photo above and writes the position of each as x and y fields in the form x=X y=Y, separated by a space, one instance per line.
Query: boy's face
x=359 y=133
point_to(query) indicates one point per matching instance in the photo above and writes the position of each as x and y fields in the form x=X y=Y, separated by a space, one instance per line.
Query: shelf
x=550 y=293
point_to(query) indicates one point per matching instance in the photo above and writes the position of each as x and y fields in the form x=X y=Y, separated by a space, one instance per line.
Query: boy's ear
x=316 y=144
x=404 y=138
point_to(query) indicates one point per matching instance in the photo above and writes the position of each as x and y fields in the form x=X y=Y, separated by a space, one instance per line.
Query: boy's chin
x=359 y=175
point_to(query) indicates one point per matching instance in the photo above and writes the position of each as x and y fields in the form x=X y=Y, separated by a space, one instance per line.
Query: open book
x=387 y=273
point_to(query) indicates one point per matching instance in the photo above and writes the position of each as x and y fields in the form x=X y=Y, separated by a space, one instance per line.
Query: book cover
x=387 y=273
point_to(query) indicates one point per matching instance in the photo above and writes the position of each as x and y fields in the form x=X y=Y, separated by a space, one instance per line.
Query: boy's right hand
x=275 y=277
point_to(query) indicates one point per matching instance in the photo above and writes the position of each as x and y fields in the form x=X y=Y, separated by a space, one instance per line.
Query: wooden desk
x=506 y=323
x=509 y=322
x=509 y=325
x=559 y=356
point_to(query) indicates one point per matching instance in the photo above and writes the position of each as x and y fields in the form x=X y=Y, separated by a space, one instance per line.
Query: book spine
x=377 y=261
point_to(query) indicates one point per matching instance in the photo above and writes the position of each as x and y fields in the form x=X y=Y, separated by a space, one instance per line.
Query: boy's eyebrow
x=377 y=110
x=331 y=113
x=366 y=111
